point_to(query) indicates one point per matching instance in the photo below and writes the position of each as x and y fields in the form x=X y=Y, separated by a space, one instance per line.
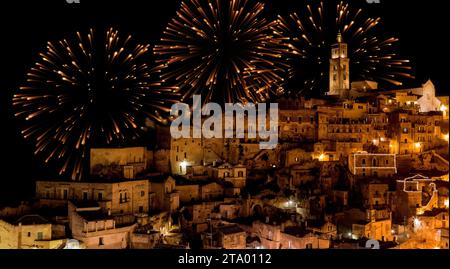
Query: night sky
x=26 y=26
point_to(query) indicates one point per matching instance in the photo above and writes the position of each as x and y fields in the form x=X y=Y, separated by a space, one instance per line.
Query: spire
x=339 y=37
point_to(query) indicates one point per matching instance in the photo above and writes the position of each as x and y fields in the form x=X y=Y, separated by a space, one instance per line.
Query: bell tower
x=339 y=69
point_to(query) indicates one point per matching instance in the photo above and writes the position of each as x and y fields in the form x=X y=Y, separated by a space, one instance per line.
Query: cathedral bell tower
x=339 y=69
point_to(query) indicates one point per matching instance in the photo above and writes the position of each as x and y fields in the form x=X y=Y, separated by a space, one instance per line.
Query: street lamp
x=418 y=146
x=322 y=157
x=417 y=223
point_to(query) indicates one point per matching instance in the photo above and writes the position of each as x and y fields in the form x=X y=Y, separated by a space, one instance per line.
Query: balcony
x=125 y=200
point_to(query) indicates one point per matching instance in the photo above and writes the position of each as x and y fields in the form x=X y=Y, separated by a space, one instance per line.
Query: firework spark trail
x=308 y=40
x=215 y=47
x=88 y=87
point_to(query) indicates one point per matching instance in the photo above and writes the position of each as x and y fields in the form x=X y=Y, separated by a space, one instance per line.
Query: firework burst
x=308 y=38
x=221 y=49
x=84 y=90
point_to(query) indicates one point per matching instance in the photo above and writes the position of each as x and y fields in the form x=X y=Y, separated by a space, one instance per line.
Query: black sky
x=27 y=25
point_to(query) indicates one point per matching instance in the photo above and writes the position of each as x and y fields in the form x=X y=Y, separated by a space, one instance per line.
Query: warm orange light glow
x=184 y=164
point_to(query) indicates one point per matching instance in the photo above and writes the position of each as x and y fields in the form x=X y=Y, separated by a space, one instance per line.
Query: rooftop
x=296 y=231
x=230 y=229
x=94 y=215
x=434 y=212
x=32 y=220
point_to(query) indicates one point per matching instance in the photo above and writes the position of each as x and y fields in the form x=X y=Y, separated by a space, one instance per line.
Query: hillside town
x=360 y=163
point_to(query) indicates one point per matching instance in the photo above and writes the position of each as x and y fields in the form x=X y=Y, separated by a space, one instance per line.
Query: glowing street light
x=322 y=157
x=417 y=223
x=184 y=164
x=418 y=145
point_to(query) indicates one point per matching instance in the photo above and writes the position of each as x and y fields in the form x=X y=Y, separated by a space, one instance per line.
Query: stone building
x=339 y=69
x=371 y=223
x=121 y=197
x=282 y=236
x=211 y=191
x=118 y=163
x=298 y=124
x=187 y=152
x=163 y=194
x=188 y=192
x=297 y=238
x=414 y=132
x=415 y=195
x=365 y=164
x=376 y=194
x=31 y=232
x=97 y=230
x=235 y=174
x=229 y=236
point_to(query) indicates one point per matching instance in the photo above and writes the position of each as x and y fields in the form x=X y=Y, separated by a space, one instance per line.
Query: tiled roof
x=230 y=229
x=32 y=220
